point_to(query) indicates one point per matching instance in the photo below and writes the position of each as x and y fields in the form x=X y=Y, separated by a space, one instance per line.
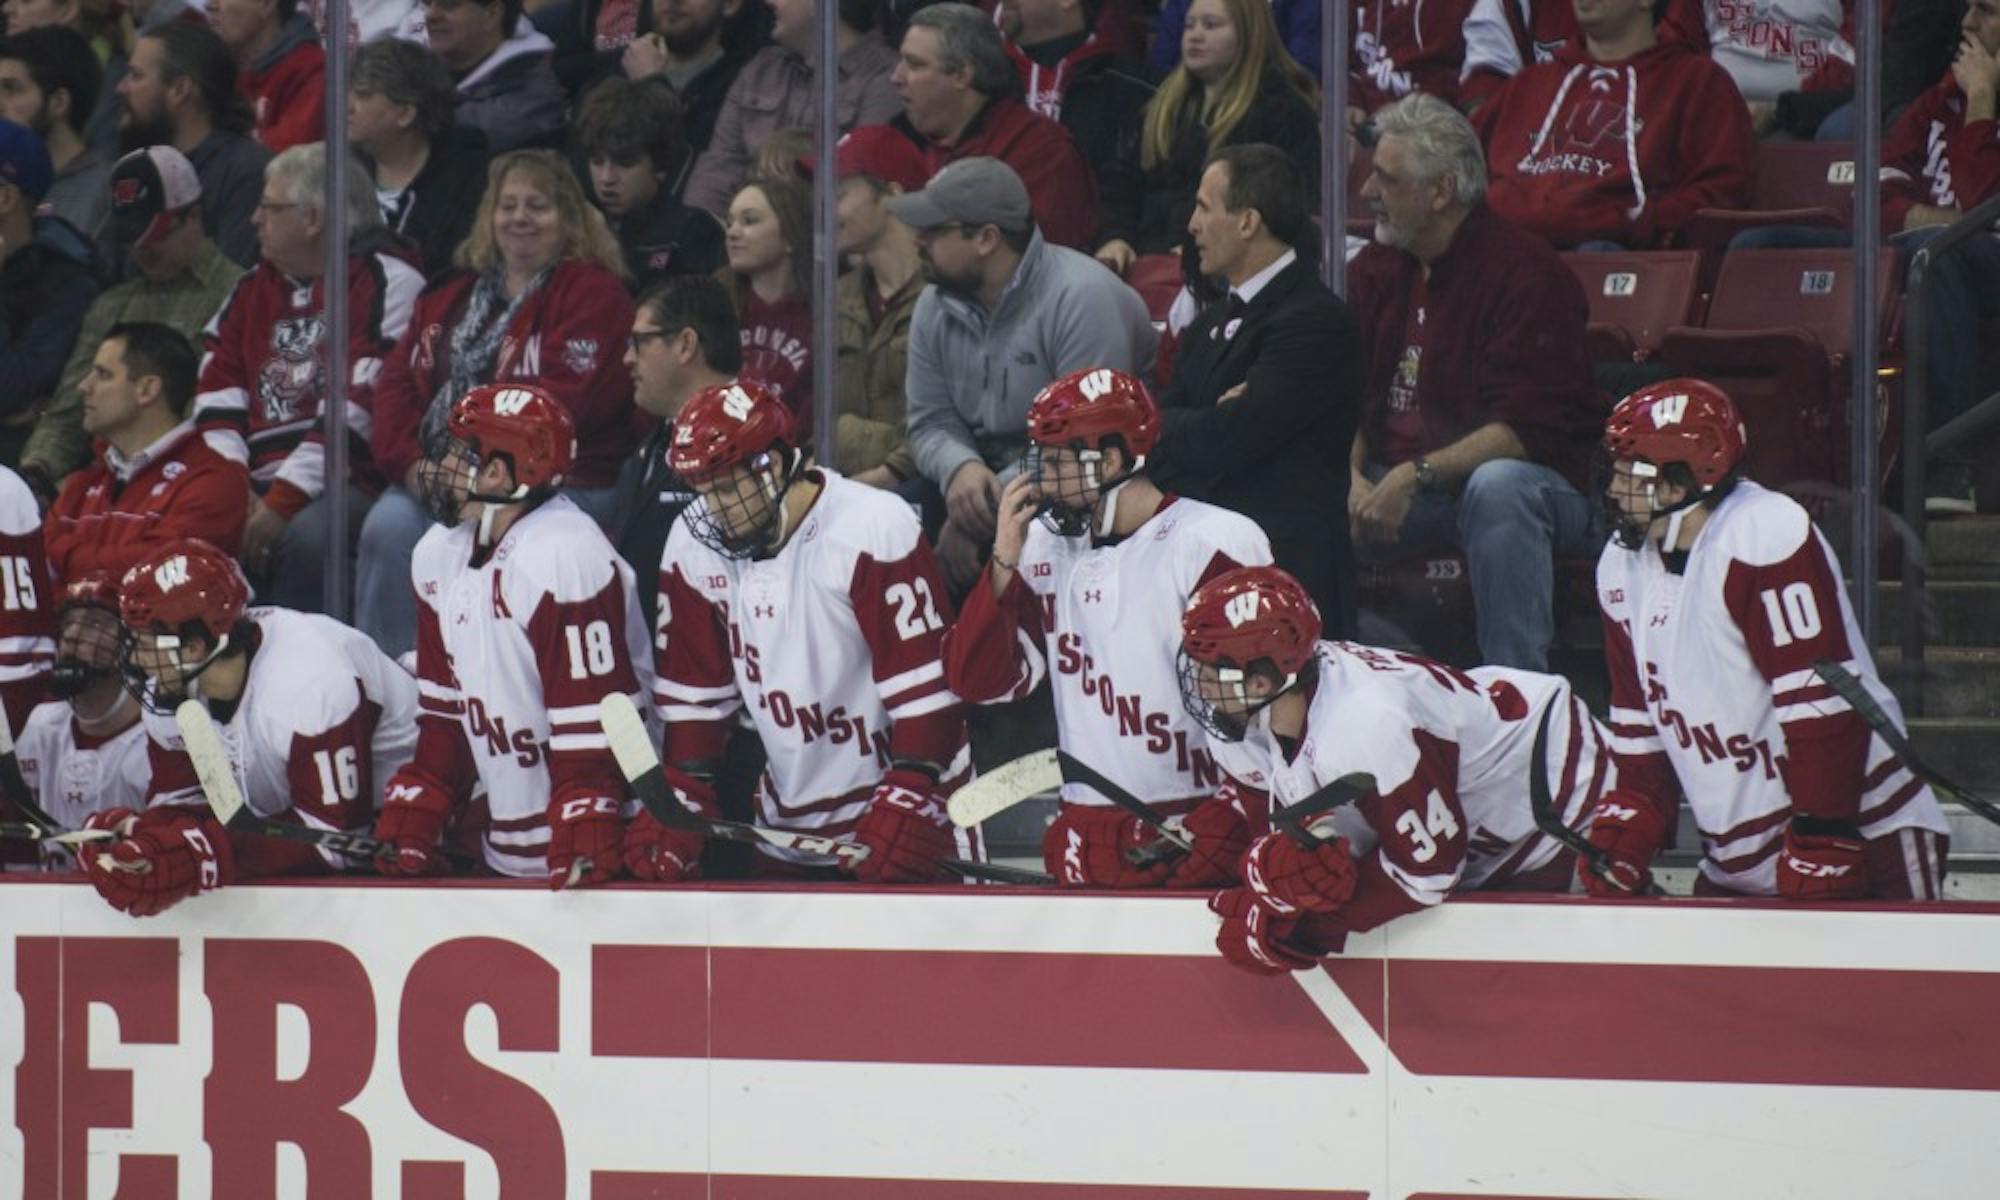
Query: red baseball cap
x=880 y=151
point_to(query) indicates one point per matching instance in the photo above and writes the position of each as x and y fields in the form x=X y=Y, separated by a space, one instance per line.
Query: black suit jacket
x=1277 y=454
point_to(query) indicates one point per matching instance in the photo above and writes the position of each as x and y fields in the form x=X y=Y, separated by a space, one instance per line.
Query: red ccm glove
x=1291 y=879
x=1255 y=938
x=1095 y=845
x=164 y=856
x=1630 y=829
x=663 y=854
x=1822 y=860
x=586 y=832
x=905 y=829
x=411 y=821
x=1220 y=835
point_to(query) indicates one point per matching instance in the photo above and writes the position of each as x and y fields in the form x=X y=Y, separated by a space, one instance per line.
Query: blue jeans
x=1510 y=521
x=385 y=607
x=298 y=561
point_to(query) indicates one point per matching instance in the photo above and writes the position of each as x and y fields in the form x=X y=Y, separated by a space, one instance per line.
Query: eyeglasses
x=271 y=206
x=639 y=337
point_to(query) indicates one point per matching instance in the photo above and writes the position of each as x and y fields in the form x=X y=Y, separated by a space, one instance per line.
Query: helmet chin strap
x=1107 y=497
x=1675 y=513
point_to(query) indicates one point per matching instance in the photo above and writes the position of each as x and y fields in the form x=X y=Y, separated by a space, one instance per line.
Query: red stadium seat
x=1796 y=183
x=1778 y=333
x=1635 y=298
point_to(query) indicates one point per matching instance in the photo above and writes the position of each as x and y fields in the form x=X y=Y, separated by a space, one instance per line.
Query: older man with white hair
x=263 y=370
x=1479 y=416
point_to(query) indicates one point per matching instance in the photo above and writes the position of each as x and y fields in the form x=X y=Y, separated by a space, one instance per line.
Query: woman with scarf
x=537 y=298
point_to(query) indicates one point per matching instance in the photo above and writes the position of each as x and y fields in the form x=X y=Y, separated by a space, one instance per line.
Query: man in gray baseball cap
x=1028 y=310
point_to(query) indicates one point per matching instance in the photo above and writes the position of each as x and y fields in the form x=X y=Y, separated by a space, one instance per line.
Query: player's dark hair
x=624 y=119
x=59 y=59
x=193 y=51
x=160 y=351
x=1682 y=476
x=1263 y=178
x=700 y=303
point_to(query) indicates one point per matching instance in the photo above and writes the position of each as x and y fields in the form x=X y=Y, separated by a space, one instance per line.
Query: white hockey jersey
x=324 y=719
x=513 y=656
x=73 y=775
x=832 y=646
x=1713 y=692
x=1451 y=752
x=1103 y=623
x=27 y=609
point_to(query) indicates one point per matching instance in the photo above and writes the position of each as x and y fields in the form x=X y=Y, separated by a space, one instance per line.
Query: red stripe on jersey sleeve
x=991 y=652
x=903 y=609
x=1648 y=773
x=332 y=773
x=442 y=758
x=1420 y=825
x=581 y=656
x=1218 y=564
x=695 y=681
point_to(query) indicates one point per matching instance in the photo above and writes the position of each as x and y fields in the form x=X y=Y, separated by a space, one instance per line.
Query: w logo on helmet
x=1243 y=608
x=1096 y=385
x=171 y=573
x=1669 y=410
x=513 y=402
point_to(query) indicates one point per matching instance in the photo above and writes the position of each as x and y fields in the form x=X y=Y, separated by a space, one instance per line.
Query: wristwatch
x=1427 y=476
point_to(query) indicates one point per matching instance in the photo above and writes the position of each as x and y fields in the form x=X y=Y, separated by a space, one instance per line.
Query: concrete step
x=1957 y=613
x=1956 y=681
x=1965 y=750
x=1963 y=541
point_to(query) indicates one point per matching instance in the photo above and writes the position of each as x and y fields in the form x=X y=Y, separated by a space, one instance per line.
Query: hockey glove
x=1220 y=836
x=905 y=829
x=586 y=830
x=168 y=855
x=1255 y=938
x=412 y=817
x=1093 y=845
x=1291 y=879
x=1630 y=829
x=1822 y=860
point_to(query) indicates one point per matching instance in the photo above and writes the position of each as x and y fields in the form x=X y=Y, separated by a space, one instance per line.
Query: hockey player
x=526 y=618
x=85 y=751
x=1090 y=596
x=310 y=713
x=1451 y=752
x=815 y=602
x=25 y=619
x=1718 y=598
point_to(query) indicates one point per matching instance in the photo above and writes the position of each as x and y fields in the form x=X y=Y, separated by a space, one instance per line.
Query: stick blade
x=211 y=761
x=631 y=745
x=1005 y=786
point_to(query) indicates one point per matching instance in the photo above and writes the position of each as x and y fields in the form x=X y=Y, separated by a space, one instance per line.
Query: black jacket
x=441 y=201
x=1278 y=453
x=1103 y=95
x=579 y=64
x=46 y=288
x=669 y=239
x=650 y=500
x=1149 y=208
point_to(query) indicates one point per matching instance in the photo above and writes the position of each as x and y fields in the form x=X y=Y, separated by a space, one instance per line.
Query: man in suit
x=1266 y=390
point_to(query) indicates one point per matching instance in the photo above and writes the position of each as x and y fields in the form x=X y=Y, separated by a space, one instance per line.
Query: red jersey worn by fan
x=1404 y=46
x=1713 y=692
x=117 y=510
x=27 y=617
x=324 y=720
x=514 y=650
x=777 y=352
x=1579 y=150
x=263 y=371
x=832 y=645
x=1935 y=156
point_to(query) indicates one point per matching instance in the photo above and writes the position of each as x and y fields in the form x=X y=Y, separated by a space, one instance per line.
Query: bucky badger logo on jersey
x=288 y=382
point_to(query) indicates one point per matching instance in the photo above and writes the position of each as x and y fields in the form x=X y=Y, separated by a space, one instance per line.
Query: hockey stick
x=1077 y=771
x=1296 y=819
x=632 y=746
x=1006 y=785
x=15 y=787
x=1851 y=689
x=1543 y=807
x=28 y=832
x=225 y=799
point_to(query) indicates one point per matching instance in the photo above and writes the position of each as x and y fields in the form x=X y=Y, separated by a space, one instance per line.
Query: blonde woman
x=537 y=296
x=1235 y=85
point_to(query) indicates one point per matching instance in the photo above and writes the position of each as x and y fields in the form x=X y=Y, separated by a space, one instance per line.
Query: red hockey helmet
x=186 y=586
x=1250 y=614
x=96 y=589
x=523 y=422
x=1090 y=405
x=726 y=426
x=88 y=634
x=1686 y=421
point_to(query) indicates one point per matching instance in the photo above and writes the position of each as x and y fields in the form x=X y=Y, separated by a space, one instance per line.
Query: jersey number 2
x=916 y=613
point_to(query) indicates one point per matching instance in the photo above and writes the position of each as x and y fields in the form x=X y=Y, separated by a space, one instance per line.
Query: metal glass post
x=338 y=597
x=1864 y=450
x=1333 y=44
x=826 y=231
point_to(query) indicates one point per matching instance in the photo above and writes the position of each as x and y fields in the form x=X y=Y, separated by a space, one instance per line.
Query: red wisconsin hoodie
x=1935 y=156
x=1579 y=150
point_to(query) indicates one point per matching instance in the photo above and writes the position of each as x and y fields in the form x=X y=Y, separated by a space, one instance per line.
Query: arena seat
x=1635 y=297
x=1794 y=183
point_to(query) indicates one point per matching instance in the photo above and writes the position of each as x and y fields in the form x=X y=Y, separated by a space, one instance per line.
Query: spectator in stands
x=180 y=91
x=181 y=280
x=877 y=300
x=770 y=276
x=1618 y=143
x=631 y=135
x=1298 y=24
x=1502 y=37
x=1070 y=73
x=1266 y=389
x=103 y=27
x=1478 y=414
x=958 y=90
x=428 y=169
x=507 y=88
x=775 y=90
x=690 y=51
x=539 y=298
x=1771 y=47
x=1030 y=312
x=1235 y=86
x=279 y=66
x=683 y=340
x=49 y=82
x=1401 y=49
x=263 y=382
x=155 y=478
x=47 y=282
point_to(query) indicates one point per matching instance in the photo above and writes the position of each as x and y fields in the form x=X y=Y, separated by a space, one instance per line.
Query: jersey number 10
x=1792 y=612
